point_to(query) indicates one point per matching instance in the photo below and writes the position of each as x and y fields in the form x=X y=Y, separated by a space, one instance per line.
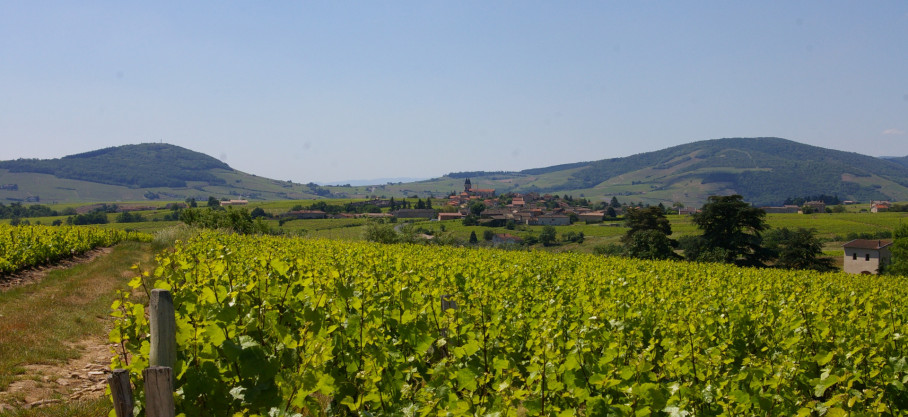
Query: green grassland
x=837 y=226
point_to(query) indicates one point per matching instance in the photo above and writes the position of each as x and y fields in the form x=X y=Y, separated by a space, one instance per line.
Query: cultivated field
x=347 y=328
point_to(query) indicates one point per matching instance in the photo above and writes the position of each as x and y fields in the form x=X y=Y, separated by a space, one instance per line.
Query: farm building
x=234 y=202
x=592 y=216
x=879 y=206
x=782 y=209
x=415 y=213
x=816 y=206
x=864 y=256
x=449 y=216
x=553 y=220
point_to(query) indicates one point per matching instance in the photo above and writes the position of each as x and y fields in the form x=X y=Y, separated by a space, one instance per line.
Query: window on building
x=867 y=257
x=854 y=256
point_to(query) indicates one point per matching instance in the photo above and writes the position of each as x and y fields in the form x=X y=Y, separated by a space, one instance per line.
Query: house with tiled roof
x=591 y=216
x=553 y=220
x=234 y=203
x=866 y=256
x=879 y=206
x=450 y=216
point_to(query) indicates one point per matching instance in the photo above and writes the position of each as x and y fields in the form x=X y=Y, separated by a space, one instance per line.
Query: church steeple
x=467 y=186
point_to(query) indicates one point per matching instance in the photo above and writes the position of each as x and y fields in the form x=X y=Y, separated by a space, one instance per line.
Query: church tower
x=467 y=186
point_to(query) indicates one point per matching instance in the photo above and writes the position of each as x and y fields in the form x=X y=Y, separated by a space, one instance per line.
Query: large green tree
x=548 y=236
x=649 y=218
x=734 y=228
x=650 y=244
x=797 y=249
x=648 y=234
x=899 y=262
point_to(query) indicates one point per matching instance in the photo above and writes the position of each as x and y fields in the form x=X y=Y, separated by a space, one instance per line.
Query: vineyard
x=278 y=326
x=28 y=246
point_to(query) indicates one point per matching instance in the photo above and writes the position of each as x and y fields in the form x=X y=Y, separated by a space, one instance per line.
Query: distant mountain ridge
x=766 y=171
x=762 y=169
x=903 y=160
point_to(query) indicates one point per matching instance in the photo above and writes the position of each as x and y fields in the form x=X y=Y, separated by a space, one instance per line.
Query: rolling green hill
x=147 y=171
x=137 y=166
x=765 y=171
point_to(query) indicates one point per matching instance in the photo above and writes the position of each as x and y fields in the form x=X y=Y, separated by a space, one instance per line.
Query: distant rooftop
x=874 y=244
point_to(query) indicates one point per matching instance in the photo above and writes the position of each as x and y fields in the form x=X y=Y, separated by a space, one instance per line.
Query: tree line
x=731 y=231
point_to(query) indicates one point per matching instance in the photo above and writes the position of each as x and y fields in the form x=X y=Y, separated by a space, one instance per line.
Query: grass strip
x=68 y=305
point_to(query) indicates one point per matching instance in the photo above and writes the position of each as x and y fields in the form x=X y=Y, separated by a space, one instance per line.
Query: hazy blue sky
x=324 y=91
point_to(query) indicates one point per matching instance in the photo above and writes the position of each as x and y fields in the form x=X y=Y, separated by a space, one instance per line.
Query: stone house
x=553 y=220
x=864 y=256
x=415 y=213
x=592 y=216
x=879 y=206
x=816 y=206
x=450 y=216
x=782 y=209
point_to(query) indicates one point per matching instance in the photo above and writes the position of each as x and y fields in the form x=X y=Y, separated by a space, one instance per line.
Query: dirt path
x=52 y=381
x=81 y=378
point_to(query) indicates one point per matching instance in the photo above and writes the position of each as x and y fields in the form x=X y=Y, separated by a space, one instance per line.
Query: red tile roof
x=867 y=244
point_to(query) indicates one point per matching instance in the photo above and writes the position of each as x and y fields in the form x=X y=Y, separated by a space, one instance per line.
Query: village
x=488 y=209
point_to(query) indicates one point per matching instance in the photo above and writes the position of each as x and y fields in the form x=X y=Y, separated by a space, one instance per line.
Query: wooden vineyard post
x=447 y=303
x=159 y=392
x=161 y=358
x=163 y=329
x=121 y=392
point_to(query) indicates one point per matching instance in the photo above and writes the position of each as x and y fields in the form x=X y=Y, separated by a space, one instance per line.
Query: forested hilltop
x=148 y=171
x=140 y=166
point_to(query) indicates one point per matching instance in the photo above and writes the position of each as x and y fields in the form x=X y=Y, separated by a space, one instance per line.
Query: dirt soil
x=80 y=378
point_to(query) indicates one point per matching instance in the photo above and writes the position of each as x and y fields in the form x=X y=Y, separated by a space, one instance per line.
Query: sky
x=331 y=91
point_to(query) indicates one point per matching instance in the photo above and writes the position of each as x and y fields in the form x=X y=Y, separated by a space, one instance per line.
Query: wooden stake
x=121 y=392
x=163 y=329
x=158 y=392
